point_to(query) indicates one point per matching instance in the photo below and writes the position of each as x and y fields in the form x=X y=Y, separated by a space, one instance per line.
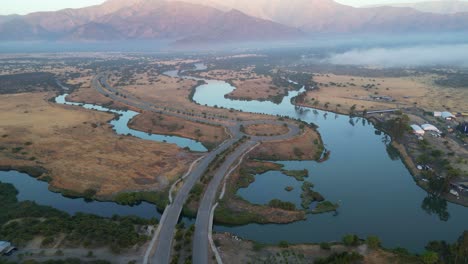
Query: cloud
x=456 y=55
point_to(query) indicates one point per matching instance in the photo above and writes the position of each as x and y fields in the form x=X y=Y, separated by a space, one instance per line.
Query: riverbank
x=430 y=151
x=71 y=144
x=209 y=135
x=235 y=250
x=42 y=233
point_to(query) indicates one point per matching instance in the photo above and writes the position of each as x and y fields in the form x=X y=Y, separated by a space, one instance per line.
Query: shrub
x=373 y=242
x=350 y=240
x=283 y=244
x=325 y=246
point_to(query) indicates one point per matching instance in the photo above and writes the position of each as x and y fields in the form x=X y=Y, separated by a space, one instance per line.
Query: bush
x=351 y=240
x=343 y=258
x=429 y=257
x=325 y=246
x=275 y=203
x=373 y=242
x=283 y=244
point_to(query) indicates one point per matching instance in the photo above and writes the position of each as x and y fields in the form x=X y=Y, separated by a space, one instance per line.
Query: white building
x=429 y=127
x=447 y=116
x=417 y=130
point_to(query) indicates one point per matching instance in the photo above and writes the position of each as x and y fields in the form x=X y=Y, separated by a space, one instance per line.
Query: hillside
x=437 y=7
x=148 y=19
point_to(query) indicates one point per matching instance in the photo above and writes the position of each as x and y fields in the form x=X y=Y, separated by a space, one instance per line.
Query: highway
x=160 y=248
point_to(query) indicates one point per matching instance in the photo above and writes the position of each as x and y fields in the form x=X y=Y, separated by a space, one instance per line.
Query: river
x=30 y=189
x=120 y=126
x=34 y=190
x=376 y=193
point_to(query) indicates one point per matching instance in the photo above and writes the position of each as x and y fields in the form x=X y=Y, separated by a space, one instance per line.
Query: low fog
x=432 y=55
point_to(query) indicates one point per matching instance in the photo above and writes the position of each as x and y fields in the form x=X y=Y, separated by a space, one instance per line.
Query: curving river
x=376 y=193
x=120 y=126
x=31 y=189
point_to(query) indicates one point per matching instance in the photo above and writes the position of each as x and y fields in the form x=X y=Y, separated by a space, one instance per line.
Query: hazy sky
x=28 y=6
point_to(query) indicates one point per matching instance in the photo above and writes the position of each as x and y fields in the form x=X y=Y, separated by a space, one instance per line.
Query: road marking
x=183 y=177
x=219 y=260
x=221 y=196
x=151 y=246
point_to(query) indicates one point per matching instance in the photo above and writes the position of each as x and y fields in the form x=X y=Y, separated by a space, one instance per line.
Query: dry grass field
x=266 y=129
x=250 y=86
x=152 y=122
x=339 y=93
x=236 y=251
x=80 y=151
x=307 y=146
x=174 y=93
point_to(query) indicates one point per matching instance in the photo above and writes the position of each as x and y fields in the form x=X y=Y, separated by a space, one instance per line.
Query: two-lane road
x=203 y=222
x=160 y=249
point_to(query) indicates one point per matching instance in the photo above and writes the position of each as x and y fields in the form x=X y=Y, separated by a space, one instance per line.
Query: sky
x=27 y=6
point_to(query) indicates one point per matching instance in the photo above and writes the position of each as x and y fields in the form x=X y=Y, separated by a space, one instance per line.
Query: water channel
x=376 y=193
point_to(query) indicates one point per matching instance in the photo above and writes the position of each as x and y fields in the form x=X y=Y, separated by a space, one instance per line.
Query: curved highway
x=160 y=249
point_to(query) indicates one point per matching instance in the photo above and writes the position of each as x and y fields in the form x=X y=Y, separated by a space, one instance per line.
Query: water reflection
x=434 y=204
x=31 y=189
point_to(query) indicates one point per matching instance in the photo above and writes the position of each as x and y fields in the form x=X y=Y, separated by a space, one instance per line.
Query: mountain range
x=221 y=21
x=438 y=7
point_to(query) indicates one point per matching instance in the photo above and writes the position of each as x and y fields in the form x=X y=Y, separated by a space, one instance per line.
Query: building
x=417 y=130
x=6 y=248
x=448 y=116
x=429 y=127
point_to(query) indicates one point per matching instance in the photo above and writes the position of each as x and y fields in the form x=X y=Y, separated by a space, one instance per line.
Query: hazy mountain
x=218 y=20
x=144 y=19
x=7 y=18
x=438 y=7
x=330 y=16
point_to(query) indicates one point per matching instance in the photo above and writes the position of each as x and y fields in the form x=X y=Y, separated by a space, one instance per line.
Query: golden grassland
x=340 y=92
x=260 y=88
x=266 y=129
x=174 y=93
x=249 y=85
x=307 y=146
x=79 y=149
x=152 y=122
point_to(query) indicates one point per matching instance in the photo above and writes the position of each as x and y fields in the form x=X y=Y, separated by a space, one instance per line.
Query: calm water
x=31 y=189
x=34 y=190
x=121 y=126
x=377 y=194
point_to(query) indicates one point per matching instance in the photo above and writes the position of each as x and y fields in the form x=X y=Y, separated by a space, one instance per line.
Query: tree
x=373 y=242
x=283 y=244
x=397 y=127
x=433 y=204
x=429 y=257
x=350 y=240
x=461 y=254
